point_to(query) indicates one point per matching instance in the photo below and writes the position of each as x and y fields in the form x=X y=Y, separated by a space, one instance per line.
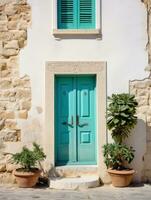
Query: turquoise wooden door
x=75 y=124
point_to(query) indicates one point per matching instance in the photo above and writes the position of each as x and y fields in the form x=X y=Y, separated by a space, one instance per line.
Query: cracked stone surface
x=138 y=192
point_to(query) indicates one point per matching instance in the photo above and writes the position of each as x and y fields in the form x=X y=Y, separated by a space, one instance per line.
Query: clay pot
x=121 y=178
x=27 y=179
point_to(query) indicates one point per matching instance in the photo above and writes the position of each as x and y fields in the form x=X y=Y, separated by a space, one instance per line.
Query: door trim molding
x=74 y=68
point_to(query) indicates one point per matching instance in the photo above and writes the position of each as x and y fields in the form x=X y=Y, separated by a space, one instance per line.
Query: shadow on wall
x=137 y=140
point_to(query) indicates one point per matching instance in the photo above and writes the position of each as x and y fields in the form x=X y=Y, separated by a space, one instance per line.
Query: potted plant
x=27 y=175
x=121 y=119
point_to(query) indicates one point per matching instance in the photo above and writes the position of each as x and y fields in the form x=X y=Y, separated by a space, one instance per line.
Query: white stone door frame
x=73 y=68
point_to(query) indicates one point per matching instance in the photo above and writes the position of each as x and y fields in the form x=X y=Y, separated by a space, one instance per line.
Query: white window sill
x=60 y=32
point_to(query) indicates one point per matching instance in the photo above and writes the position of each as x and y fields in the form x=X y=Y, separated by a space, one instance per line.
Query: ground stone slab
x=138 y=192
x=74 y=183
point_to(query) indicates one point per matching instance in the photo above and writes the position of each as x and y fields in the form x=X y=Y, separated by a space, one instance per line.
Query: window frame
x=96 y=30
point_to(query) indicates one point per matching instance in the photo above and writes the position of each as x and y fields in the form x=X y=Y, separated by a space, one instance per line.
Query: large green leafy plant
x=121 y=115
x=29 y=159
x=117 y=154
x=121 y=119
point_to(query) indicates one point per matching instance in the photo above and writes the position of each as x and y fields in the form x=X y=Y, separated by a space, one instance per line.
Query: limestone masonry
x=15 y=91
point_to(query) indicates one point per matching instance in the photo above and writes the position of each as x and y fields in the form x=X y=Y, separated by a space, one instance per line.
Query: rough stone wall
x=142 y=90
x=15 y=91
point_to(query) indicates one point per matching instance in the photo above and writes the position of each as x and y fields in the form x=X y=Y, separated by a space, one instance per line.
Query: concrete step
x=74 y=183
x=75 y=171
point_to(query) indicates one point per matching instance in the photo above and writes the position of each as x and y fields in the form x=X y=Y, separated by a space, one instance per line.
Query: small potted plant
x=121 y=119
x=28 y=174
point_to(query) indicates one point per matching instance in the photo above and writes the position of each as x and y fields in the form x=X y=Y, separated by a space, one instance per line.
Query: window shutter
x=67 y=14
x=86 y=16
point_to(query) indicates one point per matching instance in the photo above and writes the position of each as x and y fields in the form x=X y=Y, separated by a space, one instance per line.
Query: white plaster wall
x=122 y=46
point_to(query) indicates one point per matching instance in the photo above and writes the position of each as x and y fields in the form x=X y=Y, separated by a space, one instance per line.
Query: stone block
x=22 y=8
x=11 y=124
x=7 y=178
x=19 y=2
x=133 y=91
x=18 y=34
x=13 y=44
x=3 y=17
x=148 y=83
x=5 y=84
x=5 y=36
x=3 y=26
x=143 y=92
x=10 y=52
x=23 y=114
x=12 y=25
x=12 y=62
x=142 y=101
x=1 y=47
x=143 y=110
x=16 y=18
x=21 y=42
x=9 y=115
x=140 y=84
x=25 y=105
x=6 y=73
x=9 y=9
x=9 y=135
x=2 y=124
x=3 y=65
x=8 y=93
x=23 y=93
x=23 y=24
x=10 y=167
x=3 y=105
x=21 y=83
x=2 y=166
x=13 y=106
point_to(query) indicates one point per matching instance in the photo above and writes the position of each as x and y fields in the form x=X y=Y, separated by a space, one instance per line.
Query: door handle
x=84 y=124
x=80 y=125
x=77 y=120
x=67 y=123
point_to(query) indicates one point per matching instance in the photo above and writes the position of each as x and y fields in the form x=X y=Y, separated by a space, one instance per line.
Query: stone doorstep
x=76 y=171
x=74 y=183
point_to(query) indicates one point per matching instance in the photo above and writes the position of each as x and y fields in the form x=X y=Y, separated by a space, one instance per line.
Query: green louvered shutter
x=67 y=14
x=86 y=14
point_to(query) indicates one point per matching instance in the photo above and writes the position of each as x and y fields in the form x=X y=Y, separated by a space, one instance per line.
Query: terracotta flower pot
x=26 y=179
x=121 y=178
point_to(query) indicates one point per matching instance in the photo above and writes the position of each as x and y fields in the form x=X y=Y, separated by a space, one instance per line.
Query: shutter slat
x=66 y=17
x=86 y=14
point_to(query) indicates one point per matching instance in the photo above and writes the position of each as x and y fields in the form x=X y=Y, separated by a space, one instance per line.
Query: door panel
x=65 y=110
x=86 y=113
x=75 y=120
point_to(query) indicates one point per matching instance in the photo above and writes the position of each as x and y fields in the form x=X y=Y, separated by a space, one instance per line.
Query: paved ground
x=102 y=193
